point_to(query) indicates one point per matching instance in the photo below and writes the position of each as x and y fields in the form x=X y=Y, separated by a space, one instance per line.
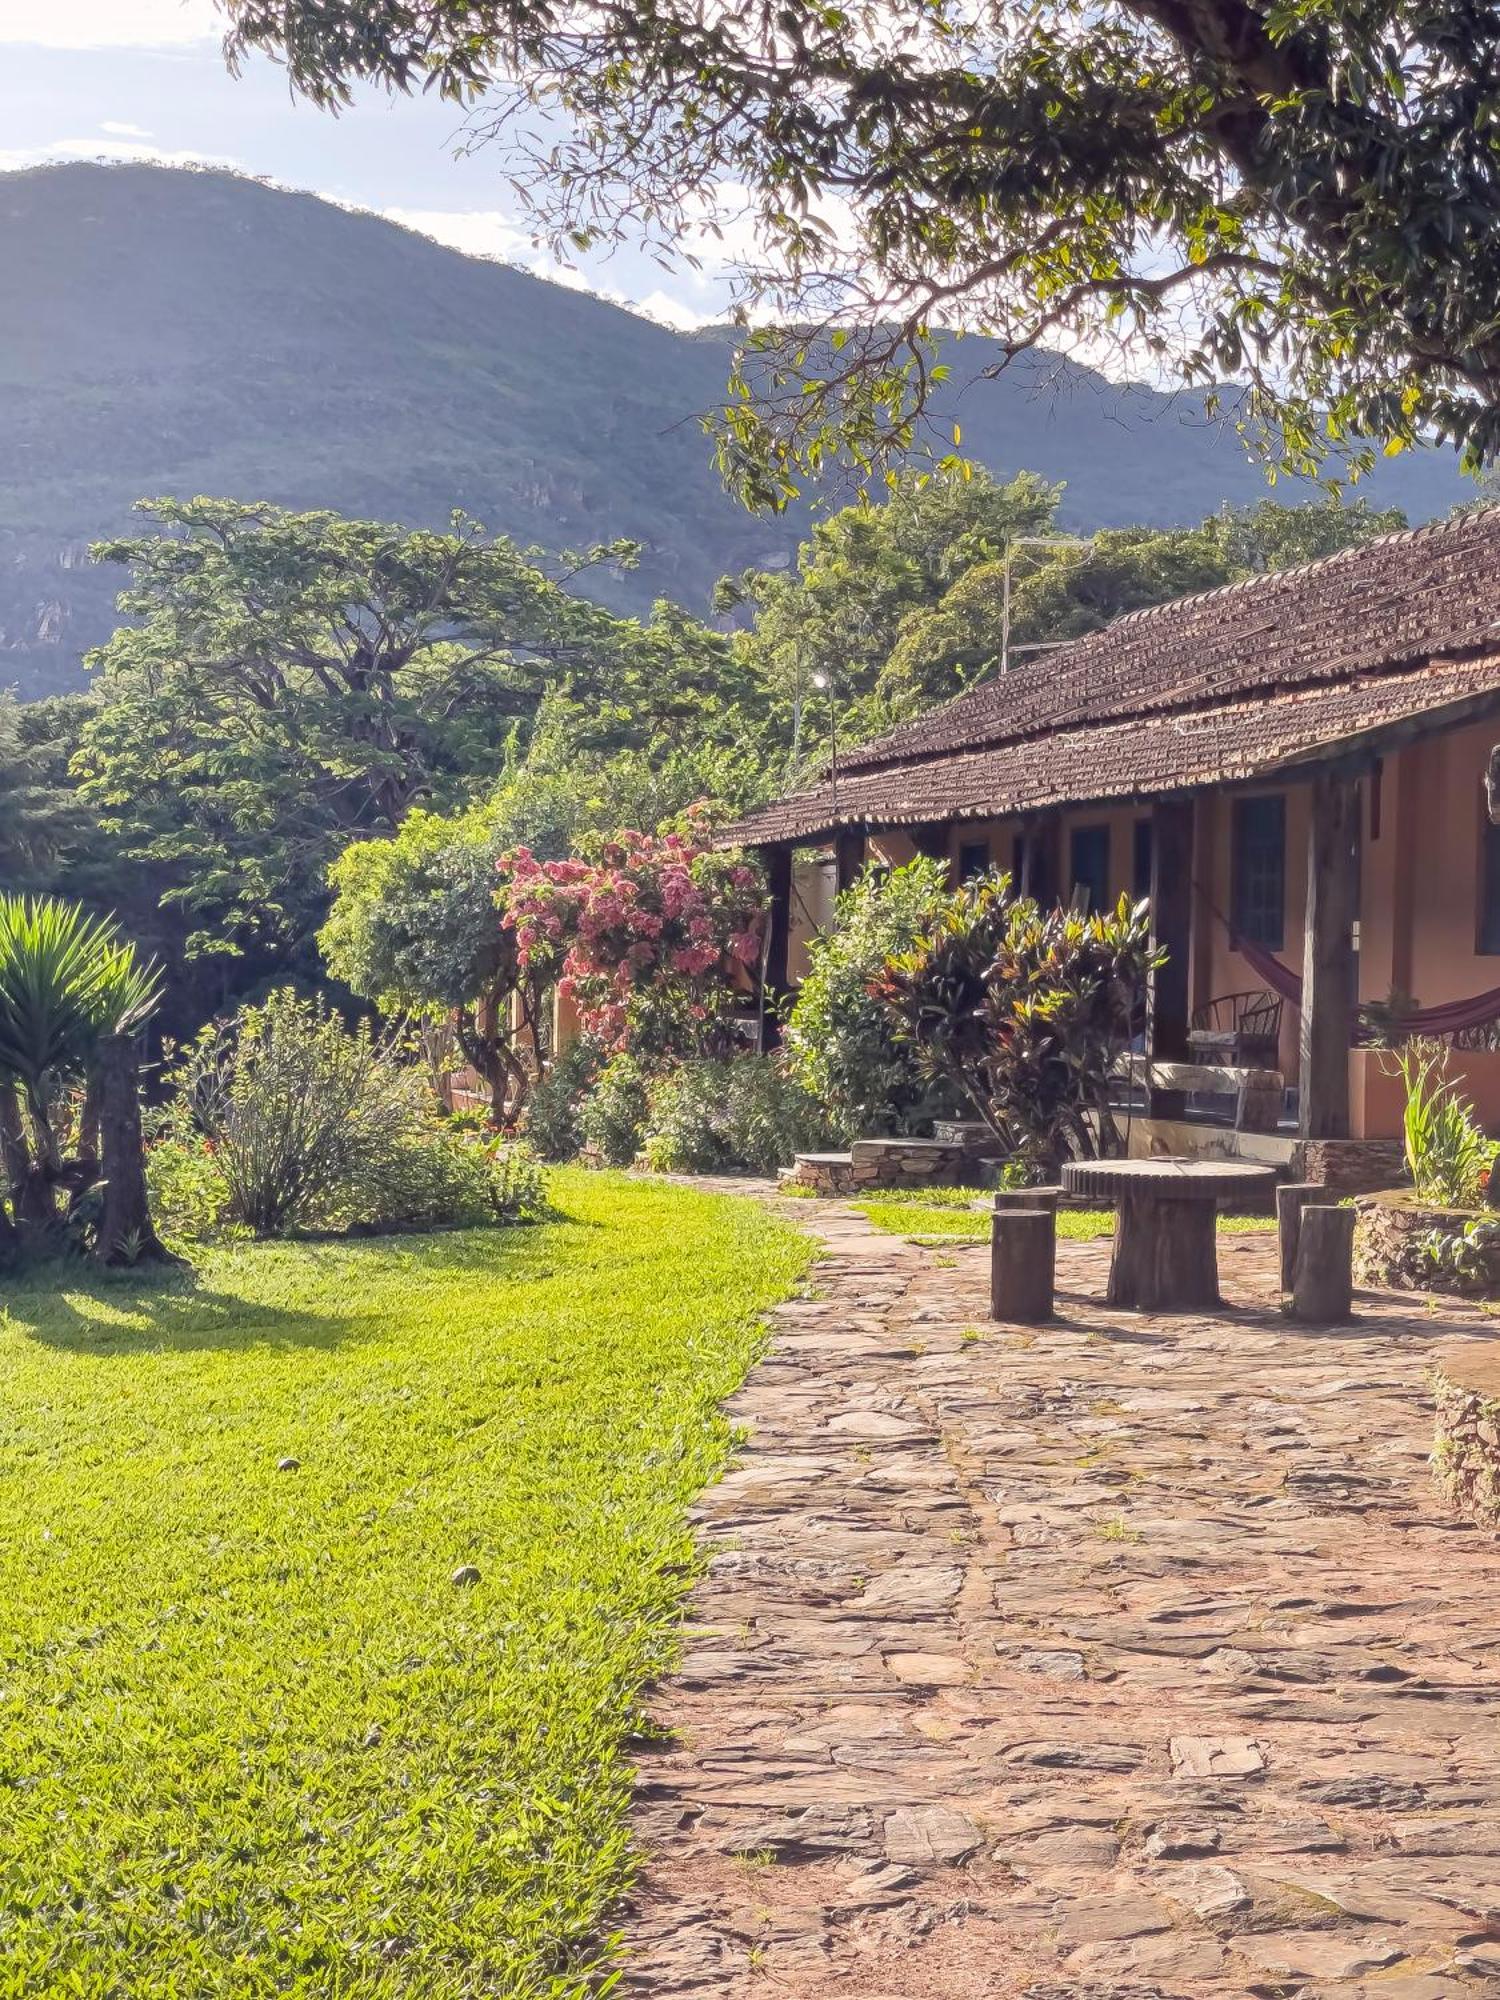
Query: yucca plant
x=66 y=980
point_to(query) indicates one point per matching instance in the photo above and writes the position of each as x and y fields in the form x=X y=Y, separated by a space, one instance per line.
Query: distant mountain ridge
x=171 y=331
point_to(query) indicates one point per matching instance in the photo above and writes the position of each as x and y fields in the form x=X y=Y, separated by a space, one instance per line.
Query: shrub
x=551 y=1124
x=297 y=1108
x=1026 y=1012
x=612 y=1117
x=442 y=1178
x=742 y=1114
x=1447 y=1155
x=842 y=1040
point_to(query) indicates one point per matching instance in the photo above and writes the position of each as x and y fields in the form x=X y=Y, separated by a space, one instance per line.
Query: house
x=1293 y=768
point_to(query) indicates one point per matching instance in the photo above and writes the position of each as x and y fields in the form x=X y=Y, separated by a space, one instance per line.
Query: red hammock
x=1449 y=1019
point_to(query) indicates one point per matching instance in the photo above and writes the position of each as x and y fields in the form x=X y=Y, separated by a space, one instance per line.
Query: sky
x=144 y=80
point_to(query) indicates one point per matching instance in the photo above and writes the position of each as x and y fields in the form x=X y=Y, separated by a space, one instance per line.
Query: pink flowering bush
x=653 y=939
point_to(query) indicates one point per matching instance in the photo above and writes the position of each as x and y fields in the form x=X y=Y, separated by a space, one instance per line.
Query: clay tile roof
x=1222 y=686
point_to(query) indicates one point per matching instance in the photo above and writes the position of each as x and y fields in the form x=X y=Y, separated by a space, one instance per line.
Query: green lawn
x=950 y=1212
x=253 y=1738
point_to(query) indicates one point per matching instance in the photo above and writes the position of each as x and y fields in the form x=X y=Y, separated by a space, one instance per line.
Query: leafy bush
x=440 y=1179
x=551 y=1124
x=298 y=1110
x=1462 y=1260
x=744 y=1113
x=1026 y=1012
x=612 y=1117
x=1447 y=1155
x=842 y=1040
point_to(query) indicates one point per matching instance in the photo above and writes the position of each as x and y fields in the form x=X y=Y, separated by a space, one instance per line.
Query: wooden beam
x=1328 y=996
x=1167 y=999
x=778 y=864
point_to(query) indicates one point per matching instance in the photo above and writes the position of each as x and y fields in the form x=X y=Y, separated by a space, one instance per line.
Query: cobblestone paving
x=1124 y=1657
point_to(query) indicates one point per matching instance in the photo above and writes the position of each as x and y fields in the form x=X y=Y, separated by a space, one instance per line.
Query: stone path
x=1127 y=1658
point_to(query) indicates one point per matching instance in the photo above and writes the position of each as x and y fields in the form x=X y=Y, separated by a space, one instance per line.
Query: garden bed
x=1466 y=1450
x=1414 y=1245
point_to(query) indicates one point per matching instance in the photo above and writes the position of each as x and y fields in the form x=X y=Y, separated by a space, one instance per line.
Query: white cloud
x=478 y=232
x=118 y=131
x=103 y=24
x=674 y=312
x=98 y=147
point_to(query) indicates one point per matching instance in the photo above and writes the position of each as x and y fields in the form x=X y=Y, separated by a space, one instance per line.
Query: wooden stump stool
x=1037 y=1197
x=1323 y=1279
x=1023 y=1262
x=1292 y=1197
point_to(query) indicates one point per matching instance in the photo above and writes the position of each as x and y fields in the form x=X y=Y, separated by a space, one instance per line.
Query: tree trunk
x=1292 y=1197
x=126 y=1234
x=30 y=1189
x=1023 y=1253
x=1166 y=1256
x=1323 y=1282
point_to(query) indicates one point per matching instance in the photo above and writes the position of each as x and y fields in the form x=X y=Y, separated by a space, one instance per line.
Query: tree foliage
x=1296 y=193
x=654 y=938
x=296 y=680
x=842 y=1042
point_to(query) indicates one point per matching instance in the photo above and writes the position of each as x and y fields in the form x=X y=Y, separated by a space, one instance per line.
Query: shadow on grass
x=68 y=1304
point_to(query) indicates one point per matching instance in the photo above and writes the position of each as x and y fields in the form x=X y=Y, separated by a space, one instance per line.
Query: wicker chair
x=1239 y=1028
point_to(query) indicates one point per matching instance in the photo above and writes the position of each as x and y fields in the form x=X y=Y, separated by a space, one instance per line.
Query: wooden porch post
x=1328 y=996
x=1167 y=999
x=848 y=855
x=778 y=863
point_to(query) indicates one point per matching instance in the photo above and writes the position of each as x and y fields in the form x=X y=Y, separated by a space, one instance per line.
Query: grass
x=254 y=1739
x=931 y=1213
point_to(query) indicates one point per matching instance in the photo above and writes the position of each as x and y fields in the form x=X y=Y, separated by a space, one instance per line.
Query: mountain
x=171 y=331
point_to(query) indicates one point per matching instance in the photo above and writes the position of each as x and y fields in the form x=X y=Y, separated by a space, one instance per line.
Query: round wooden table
x=1166 y=1254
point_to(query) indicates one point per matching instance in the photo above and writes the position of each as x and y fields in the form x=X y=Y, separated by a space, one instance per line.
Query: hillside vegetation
x=164 y=331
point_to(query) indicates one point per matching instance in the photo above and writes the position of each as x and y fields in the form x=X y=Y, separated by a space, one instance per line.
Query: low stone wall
x=1466 y=1448
x=1391 y=1239
x=820 y=1173
x=882 y=1163
x=894 y=1163
x=1350 y=1166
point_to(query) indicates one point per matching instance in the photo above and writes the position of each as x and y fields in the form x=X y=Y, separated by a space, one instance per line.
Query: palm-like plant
x=66 y=978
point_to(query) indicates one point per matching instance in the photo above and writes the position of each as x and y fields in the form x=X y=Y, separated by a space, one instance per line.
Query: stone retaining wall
x=1350 y=1166
x=1466 y=1450
x=882 y=1163
x=1390 y=1238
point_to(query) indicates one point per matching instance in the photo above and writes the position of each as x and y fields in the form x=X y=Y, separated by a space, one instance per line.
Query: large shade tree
x=1298 y=193
x=297 y=680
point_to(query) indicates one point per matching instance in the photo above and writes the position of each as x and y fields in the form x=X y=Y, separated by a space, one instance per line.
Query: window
x=973 y=859
x=1258 y=865
x=1140 y=859
x=1088 y=863
x=1489 y=890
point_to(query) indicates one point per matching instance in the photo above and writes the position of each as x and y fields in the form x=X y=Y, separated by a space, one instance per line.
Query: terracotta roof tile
x=1407 y=597
x=1229 y=743
x=1226 y=686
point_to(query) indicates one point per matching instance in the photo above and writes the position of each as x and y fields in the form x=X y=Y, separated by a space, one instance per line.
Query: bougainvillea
x=655 y=939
